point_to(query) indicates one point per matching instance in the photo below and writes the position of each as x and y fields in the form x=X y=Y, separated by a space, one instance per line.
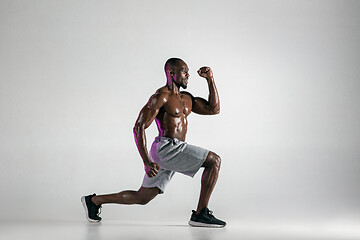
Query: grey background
x=75 y=74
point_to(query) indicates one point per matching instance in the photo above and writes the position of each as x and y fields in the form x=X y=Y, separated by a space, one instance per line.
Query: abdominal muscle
x=172 y=126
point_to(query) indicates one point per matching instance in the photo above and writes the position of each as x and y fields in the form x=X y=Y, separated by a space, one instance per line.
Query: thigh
x=159 y=181
x=188 y=159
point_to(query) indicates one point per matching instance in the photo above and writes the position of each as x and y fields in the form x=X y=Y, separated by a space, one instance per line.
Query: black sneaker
x=91 y=210
x=205 y=219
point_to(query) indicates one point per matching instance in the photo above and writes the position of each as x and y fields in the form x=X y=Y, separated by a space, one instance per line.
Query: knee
x=217 y=161
x=144 y=201
x=144 y=196
x=213 y=160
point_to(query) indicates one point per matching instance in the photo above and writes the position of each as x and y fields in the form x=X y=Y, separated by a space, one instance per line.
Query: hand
x=151 y=169
x=205 y=72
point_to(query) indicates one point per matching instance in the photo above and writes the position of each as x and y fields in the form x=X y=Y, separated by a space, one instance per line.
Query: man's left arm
x=212 y=105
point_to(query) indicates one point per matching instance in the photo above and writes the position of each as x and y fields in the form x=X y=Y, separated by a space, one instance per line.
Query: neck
x=173 y=87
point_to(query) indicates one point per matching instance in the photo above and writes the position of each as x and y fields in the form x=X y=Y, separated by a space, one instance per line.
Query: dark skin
x=169 y=107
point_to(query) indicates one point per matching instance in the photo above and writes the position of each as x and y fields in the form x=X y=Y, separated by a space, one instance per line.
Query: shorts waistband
x=161 y=138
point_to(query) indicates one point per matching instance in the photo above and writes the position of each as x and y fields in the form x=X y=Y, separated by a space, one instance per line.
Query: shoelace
x=210 y=213
x=99 y=210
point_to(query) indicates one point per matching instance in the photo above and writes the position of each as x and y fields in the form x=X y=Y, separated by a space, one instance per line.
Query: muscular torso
x=172 y=117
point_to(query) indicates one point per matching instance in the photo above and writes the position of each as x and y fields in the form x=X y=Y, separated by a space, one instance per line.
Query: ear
x=170 y=72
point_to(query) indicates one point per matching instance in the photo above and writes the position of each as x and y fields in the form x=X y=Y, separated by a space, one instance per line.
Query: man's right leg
x=142 y=197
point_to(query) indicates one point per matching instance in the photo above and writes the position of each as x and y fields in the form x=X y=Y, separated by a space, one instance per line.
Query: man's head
x=177 y=72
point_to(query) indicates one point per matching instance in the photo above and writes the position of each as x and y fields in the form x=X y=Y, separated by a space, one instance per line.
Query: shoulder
x=187 y=94
x=159 y=98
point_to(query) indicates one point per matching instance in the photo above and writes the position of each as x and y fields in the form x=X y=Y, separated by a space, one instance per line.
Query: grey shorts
x=173 y=156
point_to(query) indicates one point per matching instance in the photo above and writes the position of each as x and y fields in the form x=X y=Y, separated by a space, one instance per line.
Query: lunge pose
x=169 y=153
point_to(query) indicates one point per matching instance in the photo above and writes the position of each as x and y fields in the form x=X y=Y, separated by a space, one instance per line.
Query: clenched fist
x=205 y=72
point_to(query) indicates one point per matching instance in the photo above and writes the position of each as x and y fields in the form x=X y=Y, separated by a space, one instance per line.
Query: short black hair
x=171 y=62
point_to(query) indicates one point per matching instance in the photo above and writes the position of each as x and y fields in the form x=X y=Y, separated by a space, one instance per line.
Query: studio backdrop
x=75 y=74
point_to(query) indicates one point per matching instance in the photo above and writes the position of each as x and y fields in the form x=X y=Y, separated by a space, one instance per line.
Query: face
x=180 y=74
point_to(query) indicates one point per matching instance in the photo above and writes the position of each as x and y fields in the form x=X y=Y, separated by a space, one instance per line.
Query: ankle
x=93 y=199
x=198 y=210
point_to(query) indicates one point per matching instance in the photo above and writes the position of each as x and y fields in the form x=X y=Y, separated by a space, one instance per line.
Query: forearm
x=213 y=100
x=140 y=139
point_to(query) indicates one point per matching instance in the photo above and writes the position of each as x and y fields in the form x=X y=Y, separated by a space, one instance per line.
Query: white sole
x=199 y=224
x=86 y=211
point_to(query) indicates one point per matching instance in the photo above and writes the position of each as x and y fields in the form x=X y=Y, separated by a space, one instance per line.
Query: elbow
x=214 y=108
x=137 y=129
x=215 y=111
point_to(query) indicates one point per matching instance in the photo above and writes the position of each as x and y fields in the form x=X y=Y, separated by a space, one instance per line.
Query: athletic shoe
x=205 y=219
x=91 y=210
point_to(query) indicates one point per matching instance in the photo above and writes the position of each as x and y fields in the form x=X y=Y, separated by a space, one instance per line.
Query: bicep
x=200 y=106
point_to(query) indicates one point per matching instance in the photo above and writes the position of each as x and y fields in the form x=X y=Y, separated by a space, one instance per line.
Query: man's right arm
x=146 y=117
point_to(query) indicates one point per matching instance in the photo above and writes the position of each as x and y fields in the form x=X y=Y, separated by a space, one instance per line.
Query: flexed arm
x=212 y=105
x=146 y=117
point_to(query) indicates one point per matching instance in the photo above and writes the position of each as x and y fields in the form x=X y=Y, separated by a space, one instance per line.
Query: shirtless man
x=169 y=152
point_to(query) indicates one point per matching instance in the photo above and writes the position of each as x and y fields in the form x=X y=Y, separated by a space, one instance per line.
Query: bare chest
x=178 y=105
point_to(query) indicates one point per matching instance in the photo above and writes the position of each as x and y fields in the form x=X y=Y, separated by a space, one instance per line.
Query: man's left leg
x=92 y=203
x=209 y=178
x=203 y=217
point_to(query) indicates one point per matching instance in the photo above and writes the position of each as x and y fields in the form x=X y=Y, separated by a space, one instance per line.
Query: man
x=169 y=152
